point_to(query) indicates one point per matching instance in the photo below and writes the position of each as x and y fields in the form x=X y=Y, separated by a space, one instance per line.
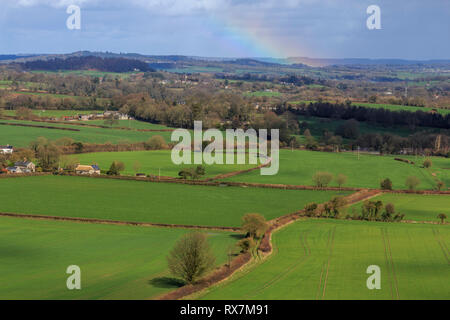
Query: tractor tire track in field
x=390 y=263
x=441 y=243
x=290 y=269
x=325 y=271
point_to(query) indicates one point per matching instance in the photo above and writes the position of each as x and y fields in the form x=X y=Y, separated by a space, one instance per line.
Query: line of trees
x=374 y=115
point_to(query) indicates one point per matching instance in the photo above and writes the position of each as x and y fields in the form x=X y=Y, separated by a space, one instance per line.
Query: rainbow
x=247 y=39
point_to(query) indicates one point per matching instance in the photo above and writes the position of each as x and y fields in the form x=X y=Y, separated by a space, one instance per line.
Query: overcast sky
x=411 y=29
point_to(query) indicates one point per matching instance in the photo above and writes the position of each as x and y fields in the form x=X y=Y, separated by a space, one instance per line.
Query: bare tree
x=191 y=258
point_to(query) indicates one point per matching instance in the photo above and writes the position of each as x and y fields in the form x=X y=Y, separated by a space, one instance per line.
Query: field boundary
x=37 y=126
x=116 y=222
x=214 y=183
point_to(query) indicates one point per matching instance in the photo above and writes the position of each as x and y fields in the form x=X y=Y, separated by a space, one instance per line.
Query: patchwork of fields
x=117 y=262
x=153 y=162
x=297 y=168
x=325 y=259
x=20 y=136
x=168 y=203
x=415 y=207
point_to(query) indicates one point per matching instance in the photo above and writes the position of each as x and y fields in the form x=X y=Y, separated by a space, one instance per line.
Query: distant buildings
x=88 y=170
x=22 y=167
x=6 y=149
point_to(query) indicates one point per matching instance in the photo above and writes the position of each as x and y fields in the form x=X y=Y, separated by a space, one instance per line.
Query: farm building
x=83 y=169
x=14 y=170
x=22 y=167
x=6 y=149
x=26 y=166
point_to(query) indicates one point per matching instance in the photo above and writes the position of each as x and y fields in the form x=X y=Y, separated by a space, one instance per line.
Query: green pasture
x=326 y=259
x=298 y=166
x=168 y=203
x=152 y=162
x=22 y=136
x=416 y=207
x=116 y=262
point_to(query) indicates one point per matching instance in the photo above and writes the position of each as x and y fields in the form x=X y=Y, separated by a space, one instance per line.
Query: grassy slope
x=148 y=202
x=150 y=162
x=298 y=166
x=420 y=265
x=414 y=206
x=117 y=262
x=22 y=136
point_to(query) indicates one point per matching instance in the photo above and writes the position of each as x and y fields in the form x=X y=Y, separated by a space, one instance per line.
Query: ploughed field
x=326 y=259
x=298 y=167
x=116 y=262
x=153 y=202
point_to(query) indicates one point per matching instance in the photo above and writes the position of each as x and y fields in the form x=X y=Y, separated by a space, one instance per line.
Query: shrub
x=440 y=185
x=386 y=184
x=412 y=182
x=115 y=168
x=442 y=217
x=156 y=143
x=191 y=257
x=254 y=225
x=246 y=244
x=322 y=179
x=427 y=163
x=311 y=209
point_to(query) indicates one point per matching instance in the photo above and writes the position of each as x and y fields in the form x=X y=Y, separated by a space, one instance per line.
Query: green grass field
x=415 y=206
x=152 y=162
x=297 y=167
x=54 y=113
x=22 y=136
x=326 y=259
x=116 y=262
x=132 y=124
x=148 y=202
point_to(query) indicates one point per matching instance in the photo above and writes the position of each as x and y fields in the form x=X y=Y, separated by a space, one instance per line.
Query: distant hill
x=88 y=63
x=330 y=62
x=4 y=57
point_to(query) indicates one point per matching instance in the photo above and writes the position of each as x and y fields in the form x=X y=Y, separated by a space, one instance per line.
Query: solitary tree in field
x=254 y=225
x=386 y=184
x=322 y=179
x=191 y=258
x=341 y=180
x=412 y=182
x=442 y=217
